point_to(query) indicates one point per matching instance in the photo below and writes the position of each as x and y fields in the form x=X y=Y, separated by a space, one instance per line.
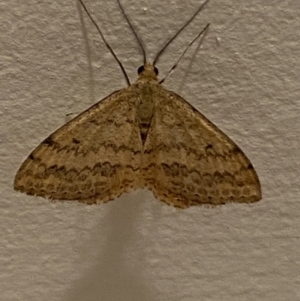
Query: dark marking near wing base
x=76 y=141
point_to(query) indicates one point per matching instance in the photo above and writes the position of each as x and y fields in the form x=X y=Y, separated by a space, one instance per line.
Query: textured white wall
x=245 y=78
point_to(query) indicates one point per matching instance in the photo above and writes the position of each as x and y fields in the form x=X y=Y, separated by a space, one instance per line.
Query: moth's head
x=148 y=71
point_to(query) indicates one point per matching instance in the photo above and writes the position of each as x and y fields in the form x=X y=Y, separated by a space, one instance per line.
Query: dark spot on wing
x=48 y=141
x=250 y=166
x=75 y=141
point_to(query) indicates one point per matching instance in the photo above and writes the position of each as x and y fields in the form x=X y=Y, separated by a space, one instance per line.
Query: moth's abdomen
x=145 y=110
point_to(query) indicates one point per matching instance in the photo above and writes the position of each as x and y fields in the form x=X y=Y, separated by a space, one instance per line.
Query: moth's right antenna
x=106 y=43
x=134 y=32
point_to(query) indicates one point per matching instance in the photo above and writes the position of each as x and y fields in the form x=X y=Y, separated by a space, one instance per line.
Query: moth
x=143 y=136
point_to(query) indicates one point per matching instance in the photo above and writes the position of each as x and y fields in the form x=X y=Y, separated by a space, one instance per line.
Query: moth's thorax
x=145 y=88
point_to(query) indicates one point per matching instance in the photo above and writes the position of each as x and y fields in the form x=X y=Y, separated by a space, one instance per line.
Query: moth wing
x=191 y=162
x=93 y=158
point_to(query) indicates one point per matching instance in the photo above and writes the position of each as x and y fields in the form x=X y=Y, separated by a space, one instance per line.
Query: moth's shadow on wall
x=113 y=277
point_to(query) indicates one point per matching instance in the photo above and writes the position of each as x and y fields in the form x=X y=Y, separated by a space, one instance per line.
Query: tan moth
x=137 y=137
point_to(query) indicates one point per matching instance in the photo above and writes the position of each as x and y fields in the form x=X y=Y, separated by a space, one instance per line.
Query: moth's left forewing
x=195 y=162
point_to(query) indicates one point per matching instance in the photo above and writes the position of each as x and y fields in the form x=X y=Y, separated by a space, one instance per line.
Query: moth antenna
x=106 y=43
x=178 y=32
x=201 y=34
x=138 y=39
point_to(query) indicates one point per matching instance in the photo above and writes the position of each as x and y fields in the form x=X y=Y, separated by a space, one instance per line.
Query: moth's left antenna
x=201 y=33
x=178 y=32
x=106 y=43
